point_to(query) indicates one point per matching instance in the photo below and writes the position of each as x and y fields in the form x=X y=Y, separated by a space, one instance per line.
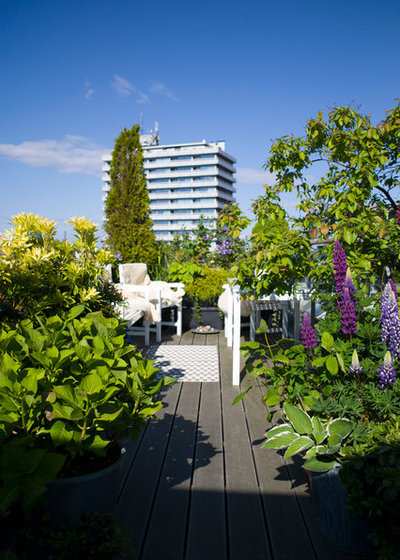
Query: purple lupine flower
x=387 y=374
x=394 y=289
x=348 y=282
x=347 y=313
x=118 y=256
x=356 y=367
x=390 y=321
x=307 y=333
x=339 y=267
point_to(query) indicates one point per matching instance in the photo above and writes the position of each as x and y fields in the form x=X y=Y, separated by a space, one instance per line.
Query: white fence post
x=236 y=335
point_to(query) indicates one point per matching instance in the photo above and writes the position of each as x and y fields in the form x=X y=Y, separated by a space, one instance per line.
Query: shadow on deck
x=198 y=487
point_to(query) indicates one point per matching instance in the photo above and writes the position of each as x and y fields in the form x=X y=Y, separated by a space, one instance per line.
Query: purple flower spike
x=387 y=374
x=348 y=315
x=394 y=289
x=348 y=282
x=356 y=367
x=390 y=321
x=307 y=333
x=339 y=267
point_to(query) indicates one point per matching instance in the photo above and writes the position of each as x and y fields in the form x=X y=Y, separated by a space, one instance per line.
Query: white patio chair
x=162 y=295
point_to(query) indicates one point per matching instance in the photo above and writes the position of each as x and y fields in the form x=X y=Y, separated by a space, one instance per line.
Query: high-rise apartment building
x=185 y=182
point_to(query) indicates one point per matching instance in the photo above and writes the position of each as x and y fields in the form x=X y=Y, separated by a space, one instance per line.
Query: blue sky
x=75 y=73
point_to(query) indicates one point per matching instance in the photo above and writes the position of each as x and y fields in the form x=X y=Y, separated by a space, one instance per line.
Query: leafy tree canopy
x=355 y=201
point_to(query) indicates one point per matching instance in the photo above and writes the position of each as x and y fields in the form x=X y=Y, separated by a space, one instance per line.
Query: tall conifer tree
x=127 y=224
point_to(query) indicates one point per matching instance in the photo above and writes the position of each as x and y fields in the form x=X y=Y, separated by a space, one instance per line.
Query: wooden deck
x=198 y=487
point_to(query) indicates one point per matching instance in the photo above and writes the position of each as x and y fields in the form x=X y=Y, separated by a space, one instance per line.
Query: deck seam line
x=189 y=504
x=227 y=543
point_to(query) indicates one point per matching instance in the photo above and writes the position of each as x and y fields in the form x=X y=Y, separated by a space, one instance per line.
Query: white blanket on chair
x=136 y=302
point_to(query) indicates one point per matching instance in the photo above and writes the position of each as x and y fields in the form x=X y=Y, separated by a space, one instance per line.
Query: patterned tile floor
x=186 y=363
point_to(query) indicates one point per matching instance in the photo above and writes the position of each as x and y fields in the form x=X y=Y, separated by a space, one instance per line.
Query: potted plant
x=324 y=446
x=70 y=389
x=203 y=294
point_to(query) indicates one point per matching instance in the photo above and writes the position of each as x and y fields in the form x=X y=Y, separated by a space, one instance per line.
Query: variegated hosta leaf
x=300 y=444
x=280 y=441
x=278 y=430
x=340 y=426
x=311 y=453
x=298 y=418
x=319 y=431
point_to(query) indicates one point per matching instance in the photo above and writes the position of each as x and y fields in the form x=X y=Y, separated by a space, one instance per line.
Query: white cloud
x=89 y=91
x=124 y=88
x=161 y=89
x=251 y=176
x=72 y=154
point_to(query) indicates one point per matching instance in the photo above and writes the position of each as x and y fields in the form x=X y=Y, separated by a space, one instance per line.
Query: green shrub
x=207 y=288
x=40 y=274
x=69 y=391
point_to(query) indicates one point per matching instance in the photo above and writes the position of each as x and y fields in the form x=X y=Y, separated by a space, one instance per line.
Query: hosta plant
x=322 y=442
x=70 y=389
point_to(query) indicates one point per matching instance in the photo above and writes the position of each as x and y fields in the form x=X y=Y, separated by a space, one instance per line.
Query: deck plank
x=135 y=505
x=276 y=487
x=246 y=523
x=207 y=520
x=167 y=529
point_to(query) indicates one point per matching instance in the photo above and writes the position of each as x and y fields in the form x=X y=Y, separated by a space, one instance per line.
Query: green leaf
x=341 y=361
x=340 y=427
x=327 y=390
x=332 y=365
x=318 y=361
x=327 y=340
x=75 y=312
x=91 y=384
x=299 y=419
x=65 y=392
x=276 y=430
x=272 y=397
x=59 y=433
x=280 y=441
x=316 y=465
x=318 y=430
x=300 y=444
x=263 y=327
x=241 y=396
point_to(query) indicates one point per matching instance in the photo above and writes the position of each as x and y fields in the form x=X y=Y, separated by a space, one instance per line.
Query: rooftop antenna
x=141 y=123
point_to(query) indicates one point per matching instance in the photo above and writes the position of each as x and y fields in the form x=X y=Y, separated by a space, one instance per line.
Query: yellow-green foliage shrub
x=40 y=274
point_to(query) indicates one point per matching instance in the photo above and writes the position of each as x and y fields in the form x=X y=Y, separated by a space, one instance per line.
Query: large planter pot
x=67 y=499
x=335 y=522
x=209 y=316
